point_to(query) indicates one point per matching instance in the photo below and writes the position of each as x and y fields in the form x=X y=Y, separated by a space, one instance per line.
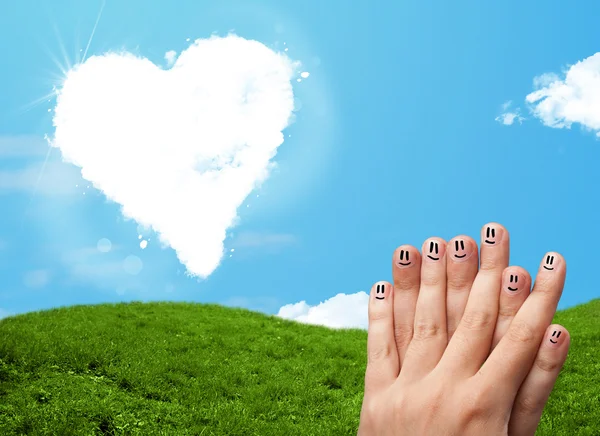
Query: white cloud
x=560 y=102
x=170 y=57
x=36 y=279
x=340 y=311
x=179 y=149
x=509 y=117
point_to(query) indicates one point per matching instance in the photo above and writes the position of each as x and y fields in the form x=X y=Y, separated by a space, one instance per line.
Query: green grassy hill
x=195 y=369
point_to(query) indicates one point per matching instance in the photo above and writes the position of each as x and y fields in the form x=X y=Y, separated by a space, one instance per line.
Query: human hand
x=431 y=332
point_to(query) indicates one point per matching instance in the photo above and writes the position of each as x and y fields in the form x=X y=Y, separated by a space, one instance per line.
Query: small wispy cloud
x=340 y=311
x=37 y=278
x=29 y=166
x=105 y=269
x=508 y=117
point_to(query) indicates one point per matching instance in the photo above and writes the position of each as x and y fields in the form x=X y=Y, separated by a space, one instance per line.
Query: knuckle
x=475 y=408
x=476 y=404
x=528 y=405
x=405 y=282
x=459 y=282
x=547 y=363
x=378 y=353
x=507 y=310
x=477 y=320
x=370 y=408
x=426 y=328
x=369 y=416
x=521 y=332
x=403 y=334
x=432 y=278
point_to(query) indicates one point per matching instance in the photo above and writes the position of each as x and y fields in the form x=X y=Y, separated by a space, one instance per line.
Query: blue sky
x=398 y=135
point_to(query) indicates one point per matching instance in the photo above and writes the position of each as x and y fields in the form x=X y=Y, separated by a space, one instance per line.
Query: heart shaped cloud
x=178 y=149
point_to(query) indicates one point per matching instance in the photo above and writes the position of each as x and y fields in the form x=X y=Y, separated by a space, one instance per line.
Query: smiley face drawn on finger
x=380 y=289
x=549 y=262
x=433 y=248
x=490 y=235
x=459 y=245
x=403 y=261
x=515 y=280
x=557 y=336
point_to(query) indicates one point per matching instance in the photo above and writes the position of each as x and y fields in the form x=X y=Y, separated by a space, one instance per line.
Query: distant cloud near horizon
x=561 y=102
x=339 y=311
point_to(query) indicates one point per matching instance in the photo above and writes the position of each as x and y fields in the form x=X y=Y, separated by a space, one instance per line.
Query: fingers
x=429 y=333
x=406 y=271
x=516 y=285
x=535 y=390
x=471 y=342
x=511 y=360
x=461 y=269
x=382 y=357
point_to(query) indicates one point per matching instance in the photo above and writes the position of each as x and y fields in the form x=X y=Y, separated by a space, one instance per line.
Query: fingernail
x=404 y=259
x=380 y=291
x=460 y=249
x=491 y=234
x=550 y=262
x=555 y=337
x=433 y=250
x=512 y=282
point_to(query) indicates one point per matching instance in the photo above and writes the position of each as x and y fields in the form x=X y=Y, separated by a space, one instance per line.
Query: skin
x=454 y=349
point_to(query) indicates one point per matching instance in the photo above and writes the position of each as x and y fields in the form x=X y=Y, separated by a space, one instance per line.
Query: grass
x=195 y=369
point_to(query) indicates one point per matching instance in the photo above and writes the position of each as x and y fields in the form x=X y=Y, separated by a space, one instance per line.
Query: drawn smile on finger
x=460 y=246
x=402 y=258
x=557 y=336
x=513 y=278
x=380 y=288
x=490 y=234
x=549 y=262
x=433 y=247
